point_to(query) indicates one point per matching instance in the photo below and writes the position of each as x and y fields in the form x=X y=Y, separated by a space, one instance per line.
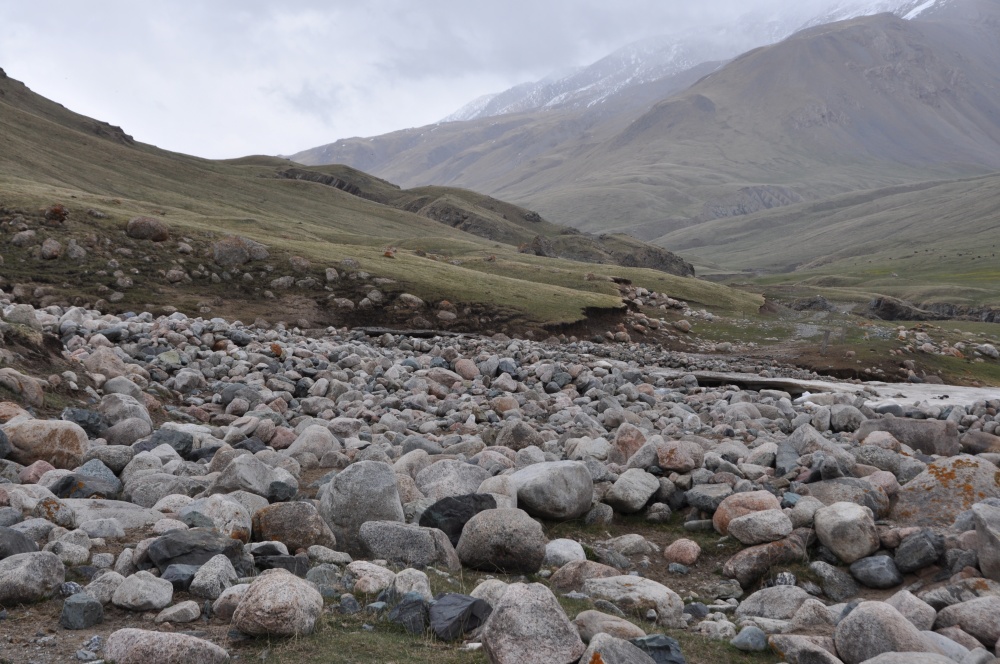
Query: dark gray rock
x=836 y=583
x=9 y=516
x=411 y=613
x=181 y=441
x=196 y=547
x=707 y=497
x=90 y=421
x=180 y=575
x=452 y=615
x=663 y=649
x=919 y=550
x=13 y=542
x=452 y=513
x=876 y=572
x=81 y=611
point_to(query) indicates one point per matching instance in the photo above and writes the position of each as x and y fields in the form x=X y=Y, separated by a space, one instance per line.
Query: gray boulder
x=502 y=540
x=847 y=529
x=143 y=592
x=528 y=625
x=632 y=490
x=554 y=490
x=612 y=650
x=364 y=491
x=927 y=436
x=873 y=628
x=449 y=478
x=987 y=520
x=945 y=489
x=29 y=577
x=140 y=646
x=408 y=544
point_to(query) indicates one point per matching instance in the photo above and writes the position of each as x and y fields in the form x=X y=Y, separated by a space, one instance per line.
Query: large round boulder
x=848 y=530
x=29 y=577
x=502 y=540
x=554 y=489
x=57 y=442
x=278 y=603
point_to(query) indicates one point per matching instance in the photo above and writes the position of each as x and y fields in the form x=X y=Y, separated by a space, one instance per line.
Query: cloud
x=235 y=77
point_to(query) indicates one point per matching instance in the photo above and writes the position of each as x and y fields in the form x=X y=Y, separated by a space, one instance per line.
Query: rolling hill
x=50 y=155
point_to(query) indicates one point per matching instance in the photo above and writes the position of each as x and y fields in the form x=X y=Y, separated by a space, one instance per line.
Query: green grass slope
x=934 y=242
x=51 y=155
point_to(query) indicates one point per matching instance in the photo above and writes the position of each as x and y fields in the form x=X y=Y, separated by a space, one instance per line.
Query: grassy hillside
x=929 y=243
x=50 y=155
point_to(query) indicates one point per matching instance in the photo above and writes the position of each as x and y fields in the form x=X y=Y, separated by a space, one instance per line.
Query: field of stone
x=179 y=489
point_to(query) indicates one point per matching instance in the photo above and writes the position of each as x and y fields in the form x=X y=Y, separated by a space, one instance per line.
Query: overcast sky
x=229 y=78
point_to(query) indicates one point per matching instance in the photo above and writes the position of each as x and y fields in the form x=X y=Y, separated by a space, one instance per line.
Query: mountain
x=70 y=184
x=659 y=57
x=864 y=103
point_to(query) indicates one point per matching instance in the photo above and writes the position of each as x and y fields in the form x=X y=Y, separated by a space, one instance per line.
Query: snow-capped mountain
x=657 y=57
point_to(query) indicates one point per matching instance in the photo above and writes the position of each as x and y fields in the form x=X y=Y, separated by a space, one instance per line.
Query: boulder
x=848 y=530
x=219 y=513
x=278 y=603
x=987 y=521
x=557 y=490
x=590 y=623
x=297 y=525
x=741 y=504
x=571 y=576
x=613 y=650
x=878 y=572
x=143 y=592
x=213 y=577
x=851 y=490
x=29 y=577
x=147 y=228
x=140 y=646
x=760 y=527
x=196 y=547
x=57 y=442
x=638 y=594
x=408 y=544
x=517 y=435
x=528 y=625
x=81 y=611
x=364 y=491
x=978 y=617
x=775 y=603
x=450 y=478
x=927 y=436
x=452 y=615
x=632 y=490
x=945 y=489
x=681 y=456
x=559 y=552
x=873 y=628
x=502 y=540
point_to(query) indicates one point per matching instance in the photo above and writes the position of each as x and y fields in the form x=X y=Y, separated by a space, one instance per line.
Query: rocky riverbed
x=209 y=481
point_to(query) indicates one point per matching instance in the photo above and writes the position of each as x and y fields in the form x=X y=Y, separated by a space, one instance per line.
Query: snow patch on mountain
x=655 y=58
